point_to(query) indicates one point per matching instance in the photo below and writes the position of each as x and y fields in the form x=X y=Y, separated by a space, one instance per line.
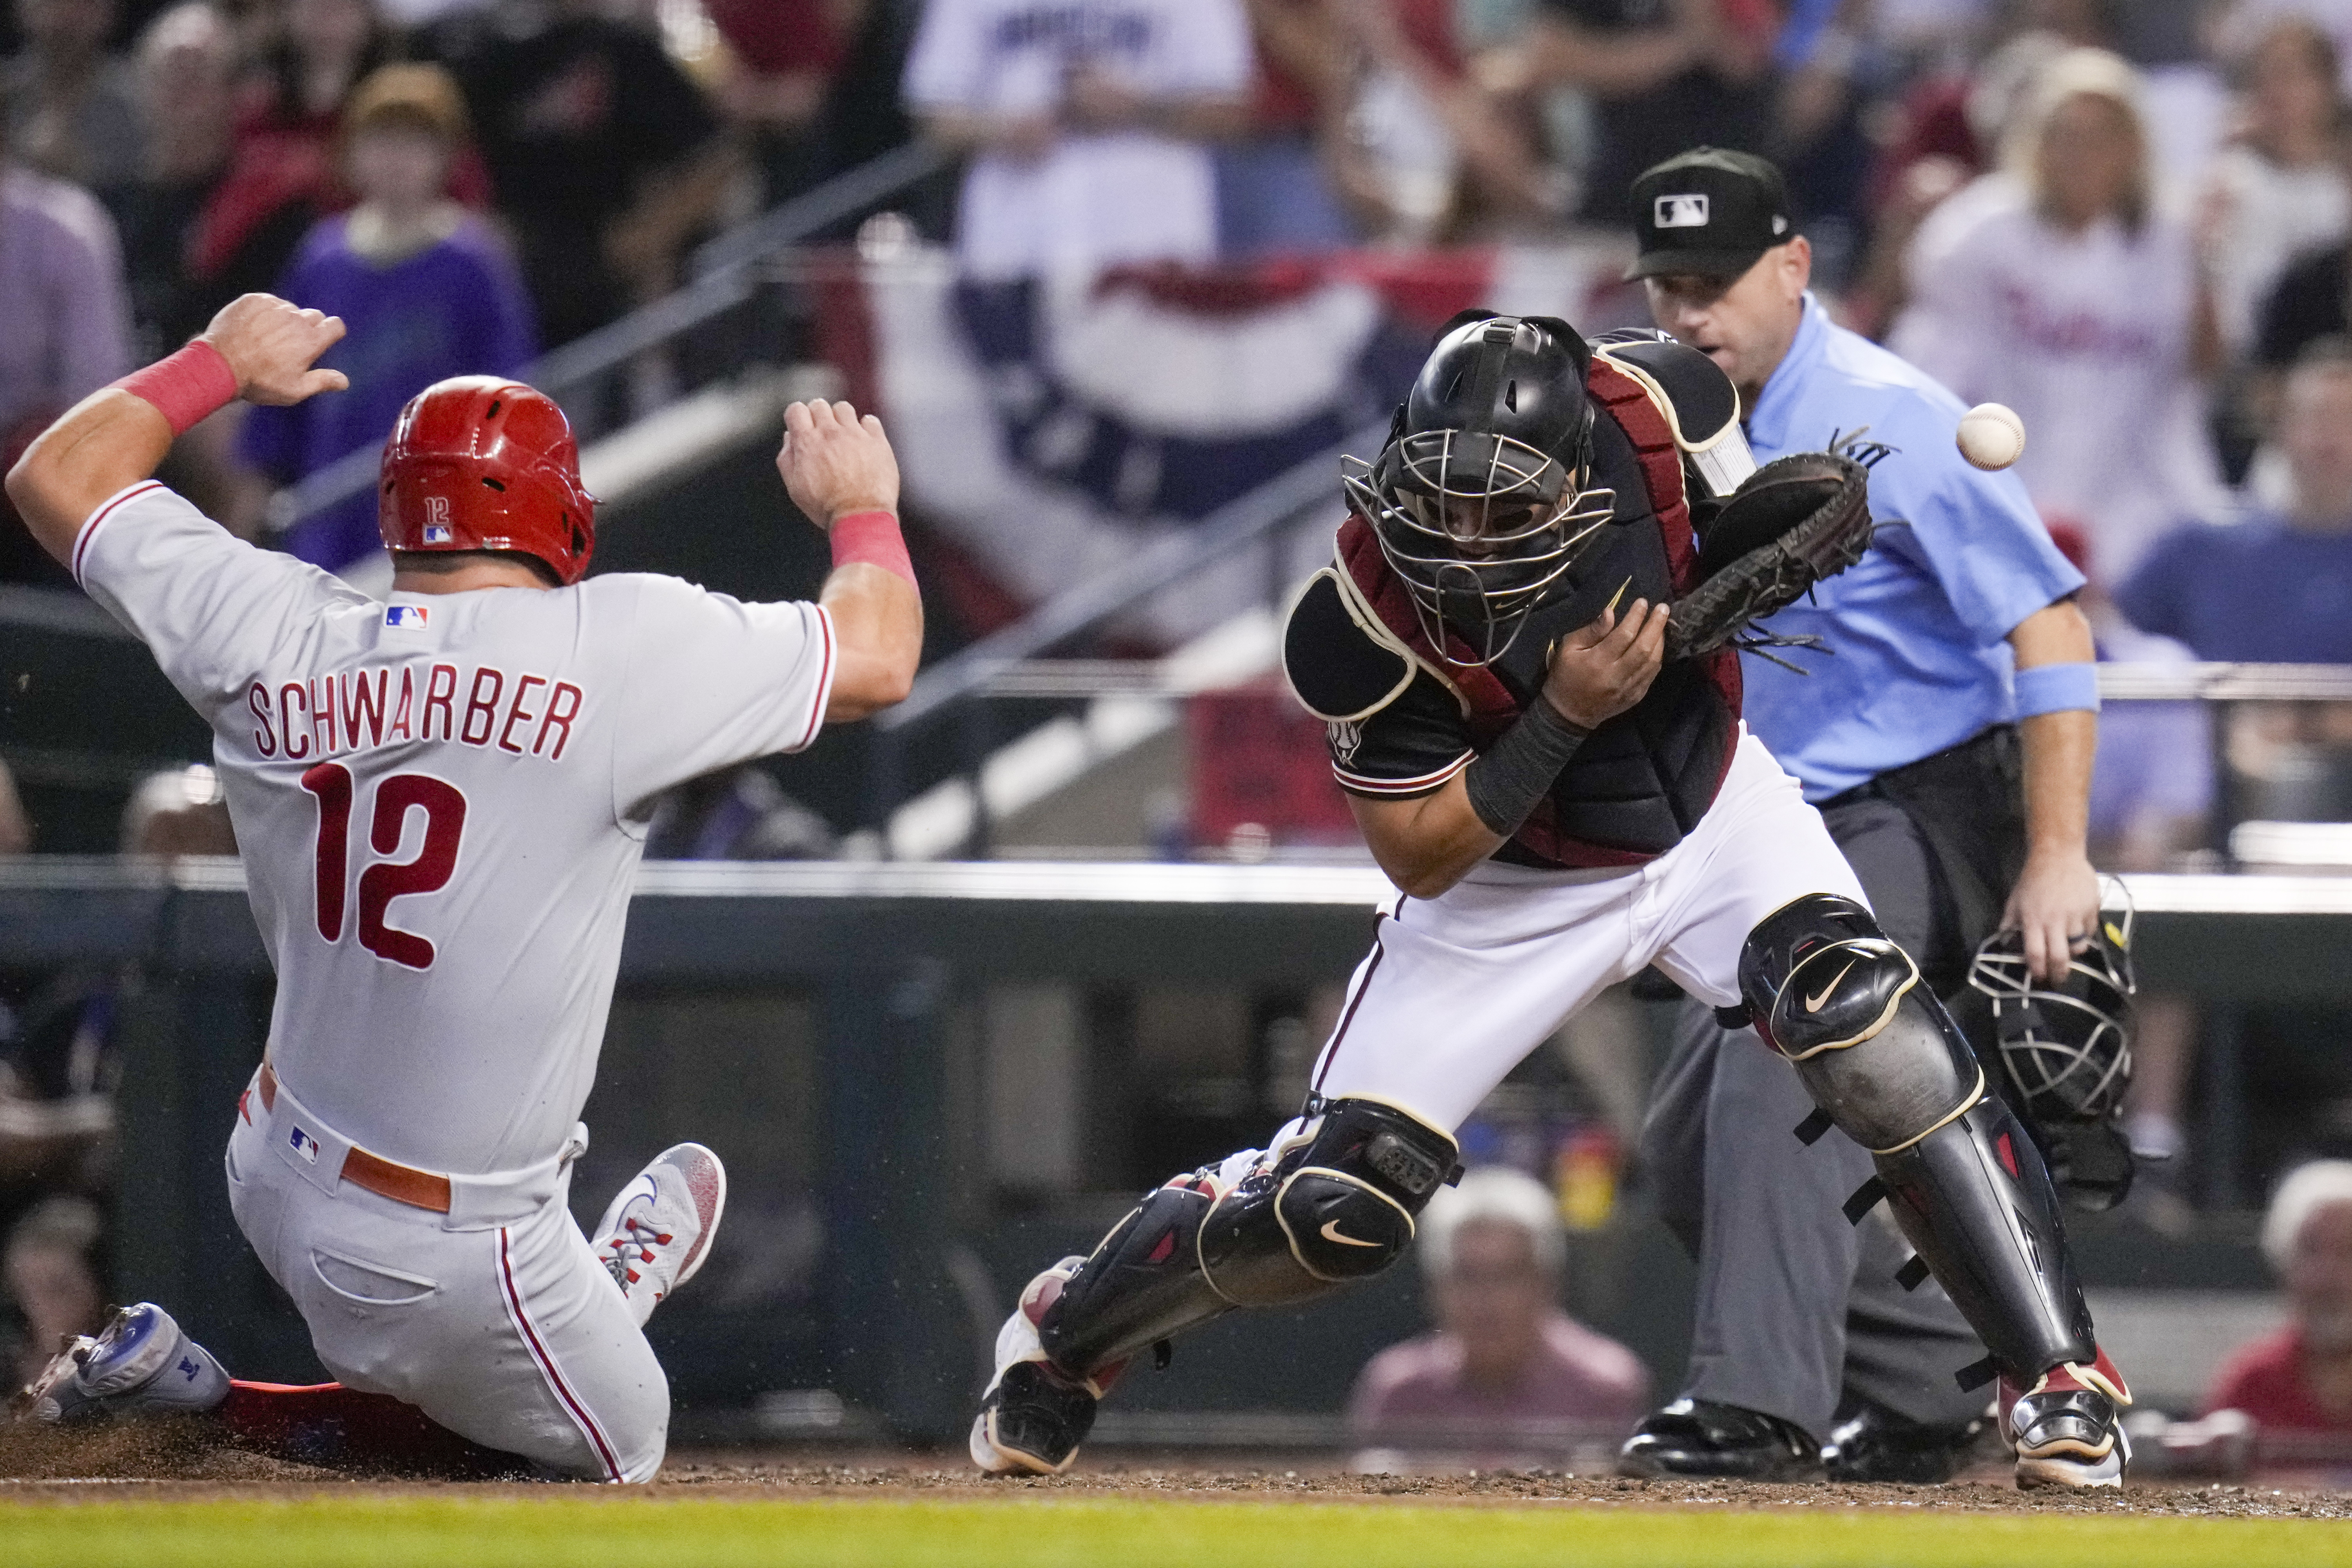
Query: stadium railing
x=727 y=274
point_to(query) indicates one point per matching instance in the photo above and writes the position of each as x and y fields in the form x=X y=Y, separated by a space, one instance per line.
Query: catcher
x=1550 y=766
x=1957 y=791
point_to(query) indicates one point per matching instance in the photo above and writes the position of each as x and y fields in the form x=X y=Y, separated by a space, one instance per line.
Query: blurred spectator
x=425 y=288
x=2300 y=1378
x=2059 y=288
x=52 y=1268
x=1276 y=185
x=736 y=814
x=786 y=55
x=2274 y=588
x=73 y=112
x=604 y=153
x=281 y=177
x=1506 y=1378
x=2278 y=189
x=1087 y=121
x=1427 y=153
x=186 y=65
x=2277 y=192
x=179 y=811
x=1664 y=76
x=65 y=327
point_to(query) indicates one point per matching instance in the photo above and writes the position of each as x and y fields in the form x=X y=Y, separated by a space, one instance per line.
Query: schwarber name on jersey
x=441 y=803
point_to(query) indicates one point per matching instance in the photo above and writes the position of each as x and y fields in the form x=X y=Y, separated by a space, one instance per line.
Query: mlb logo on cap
x=437 y=535
x=408 y=617
x=1680 y=212
x=305 y=1145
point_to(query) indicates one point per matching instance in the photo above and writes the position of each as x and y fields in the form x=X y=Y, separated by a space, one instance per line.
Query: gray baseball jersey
x=441 y=801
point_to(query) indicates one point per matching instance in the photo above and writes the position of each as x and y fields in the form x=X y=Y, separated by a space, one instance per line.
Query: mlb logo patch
x=1680 y=212
x=407 y=617
x=304 y=1145
x=437 y=533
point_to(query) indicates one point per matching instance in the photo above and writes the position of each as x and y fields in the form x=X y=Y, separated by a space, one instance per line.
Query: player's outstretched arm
x=259 y=348
x=840 y=470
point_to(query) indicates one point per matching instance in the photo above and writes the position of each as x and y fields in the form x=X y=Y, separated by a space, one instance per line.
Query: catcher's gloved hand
x=1796 y=520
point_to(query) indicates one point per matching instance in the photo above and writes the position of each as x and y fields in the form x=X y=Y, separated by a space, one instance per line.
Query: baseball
x=1991 y=435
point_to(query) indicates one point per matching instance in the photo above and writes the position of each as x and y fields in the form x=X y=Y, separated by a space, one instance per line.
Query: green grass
x=425 y=1532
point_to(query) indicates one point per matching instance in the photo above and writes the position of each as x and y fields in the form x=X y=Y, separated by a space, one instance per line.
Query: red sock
x=327 y=1424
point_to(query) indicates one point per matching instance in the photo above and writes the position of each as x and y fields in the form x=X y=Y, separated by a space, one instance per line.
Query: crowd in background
x=2126 y=218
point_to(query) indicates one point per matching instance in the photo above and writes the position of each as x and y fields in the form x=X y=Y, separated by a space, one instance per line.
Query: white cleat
x=141 y=1363
x=1034 y=1415
x=659 y=1230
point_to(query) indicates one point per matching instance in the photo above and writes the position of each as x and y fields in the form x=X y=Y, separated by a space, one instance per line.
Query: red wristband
x=185 y=387
x=872 y=537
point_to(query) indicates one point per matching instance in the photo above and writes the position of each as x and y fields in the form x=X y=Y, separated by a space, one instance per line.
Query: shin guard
x=1885 y=1061
x=1334 y=1205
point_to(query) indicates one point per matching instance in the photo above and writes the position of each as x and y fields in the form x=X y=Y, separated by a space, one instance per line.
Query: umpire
x=1959 y=793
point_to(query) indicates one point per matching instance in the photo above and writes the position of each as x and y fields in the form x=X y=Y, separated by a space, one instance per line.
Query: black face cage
x=1480 y=528
x=2068 y=1049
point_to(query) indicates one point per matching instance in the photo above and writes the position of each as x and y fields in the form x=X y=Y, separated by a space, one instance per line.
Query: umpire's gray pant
x=1795 y=1306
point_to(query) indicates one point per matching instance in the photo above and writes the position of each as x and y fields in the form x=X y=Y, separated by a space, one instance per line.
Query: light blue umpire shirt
x=1918 y=625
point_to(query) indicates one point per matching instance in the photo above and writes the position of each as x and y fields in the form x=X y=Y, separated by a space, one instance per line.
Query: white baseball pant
x=511 y=1335
x=1460 y=987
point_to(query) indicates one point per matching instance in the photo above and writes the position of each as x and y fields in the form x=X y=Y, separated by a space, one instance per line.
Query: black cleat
x=1033 y=1419
x=1873 y=1443
x=1034 y=1415
x=1699 y=1437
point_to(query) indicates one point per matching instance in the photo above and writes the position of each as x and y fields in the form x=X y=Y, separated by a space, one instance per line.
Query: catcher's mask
x=1477 y=499
x=2067 y=1047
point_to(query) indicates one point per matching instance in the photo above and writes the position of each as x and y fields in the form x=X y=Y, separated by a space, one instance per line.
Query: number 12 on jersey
x=445 y=821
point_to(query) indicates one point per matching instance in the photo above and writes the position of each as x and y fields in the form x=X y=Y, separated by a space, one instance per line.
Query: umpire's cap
x=1710 y=212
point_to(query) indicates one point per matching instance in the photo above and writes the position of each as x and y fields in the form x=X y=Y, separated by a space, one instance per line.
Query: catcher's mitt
x=1796 y=520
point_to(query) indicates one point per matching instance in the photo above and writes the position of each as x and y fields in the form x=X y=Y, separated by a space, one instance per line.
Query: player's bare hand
x=1605 y=667
x=271 y=345
x=2055 y=906
x=836 y=464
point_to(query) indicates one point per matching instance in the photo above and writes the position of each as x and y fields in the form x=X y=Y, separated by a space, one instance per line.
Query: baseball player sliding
x=1551 y=769
x=441 y=801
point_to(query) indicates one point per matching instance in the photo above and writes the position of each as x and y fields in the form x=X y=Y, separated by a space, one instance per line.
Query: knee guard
x=1889 y=1069
x=1334 y=1205
x=1881 y=1058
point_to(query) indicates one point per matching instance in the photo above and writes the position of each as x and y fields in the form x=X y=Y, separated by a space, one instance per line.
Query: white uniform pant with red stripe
x=513 y=1336
x=1458 y=988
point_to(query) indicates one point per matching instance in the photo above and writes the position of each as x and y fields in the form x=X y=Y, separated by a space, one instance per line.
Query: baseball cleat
x=2067 y=1428
x=141 y=1363
x=1873 y=1443
x=1034 y=1415
x=1700 y=1438
x=658 y=1231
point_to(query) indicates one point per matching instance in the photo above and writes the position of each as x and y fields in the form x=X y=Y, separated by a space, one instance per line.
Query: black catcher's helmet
x=1476 y=499
x=2067 y=1049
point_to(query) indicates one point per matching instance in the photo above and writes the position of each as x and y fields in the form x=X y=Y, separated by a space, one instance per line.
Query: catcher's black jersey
x=1399 y=727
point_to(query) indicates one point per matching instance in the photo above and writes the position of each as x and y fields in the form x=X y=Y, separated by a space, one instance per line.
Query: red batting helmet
x=478 y=462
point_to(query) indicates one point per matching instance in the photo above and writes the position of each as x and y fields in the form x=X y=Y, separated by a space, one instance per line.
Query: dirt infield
x=188 y=1462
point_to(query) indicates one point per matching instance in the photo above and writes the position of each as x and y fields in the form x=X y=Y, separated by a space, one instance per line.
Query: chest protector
x=1642 y=780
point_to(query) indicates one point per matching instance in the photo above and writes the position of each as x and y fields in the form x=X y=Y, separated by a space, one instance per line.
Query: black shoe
x=1871 y=1443
x=1699 y=1437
